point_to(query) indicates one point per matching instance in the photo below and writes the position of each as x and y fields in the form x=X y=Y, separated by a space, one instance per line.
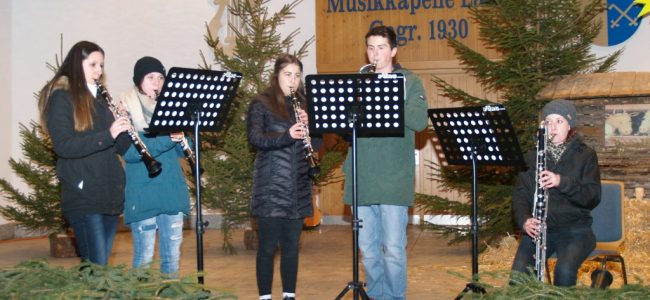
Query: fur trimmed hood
x=61 y=83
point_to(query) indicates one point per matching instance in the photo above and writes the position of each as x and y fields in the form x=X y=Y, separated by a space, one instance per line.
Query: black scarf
x=555 y=151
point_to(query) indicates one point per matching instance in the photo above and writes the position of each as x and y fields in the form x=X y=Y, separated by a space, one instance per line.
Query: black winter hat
x=563 y=108
x=144 y=66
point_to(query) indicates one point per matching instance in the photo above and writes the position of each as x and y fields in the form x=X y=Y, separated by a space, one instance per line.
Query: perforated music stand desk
x=372 y=104
x=198 y=100
x=470 y=136
x=377 y=100
x=194 y=98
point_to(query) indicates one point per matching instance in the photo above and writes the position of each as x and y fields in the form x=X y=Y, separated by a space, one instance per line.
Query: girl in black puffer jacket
x=281 y=184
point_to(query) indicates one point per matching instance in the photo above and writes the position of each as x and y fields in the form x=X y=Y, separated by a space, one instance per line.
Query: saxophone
x=540 y=204
x=153 y=166
x=314 y=165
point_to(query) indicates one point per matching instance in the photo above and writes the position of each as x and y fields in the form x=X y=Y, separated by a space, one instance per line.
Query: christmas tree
x=38 y=210
x=538 y=41
x=228 y=157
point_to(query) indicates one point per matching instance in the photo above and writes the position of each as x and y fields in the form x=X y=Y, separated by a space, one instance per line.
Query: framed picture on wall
x=627 y=124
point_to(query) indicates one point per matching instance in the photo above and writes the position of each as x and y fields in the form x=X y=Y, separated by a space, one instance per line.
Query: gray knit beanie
x=563 y=108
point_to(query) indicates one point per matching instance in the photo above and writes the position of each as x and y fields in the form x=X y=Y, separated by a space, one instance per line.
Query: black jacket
x=570 y=203
x=281 y=182
x=88 y=165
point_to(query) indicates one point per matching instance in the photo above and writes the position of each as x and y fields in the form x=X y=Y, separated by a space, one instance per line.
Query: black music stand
x=195 y=99
x=370 y=103
x=476 y=135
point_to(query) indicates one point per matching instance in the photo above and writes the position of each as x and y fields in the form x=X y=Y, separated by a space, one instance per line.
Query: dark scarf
x=555 y=151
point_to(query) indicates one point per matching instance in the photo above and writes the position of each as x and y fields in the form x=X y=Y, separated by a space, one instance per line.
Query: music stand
x=476 y=135
x=342 y=103
x=195 y=99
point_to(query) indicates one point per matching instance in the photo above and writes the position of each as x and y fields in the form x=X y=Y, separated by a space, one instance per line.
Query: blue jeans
x=170 y=231
x=94 y=234
x=382 y=241
x=572 y=246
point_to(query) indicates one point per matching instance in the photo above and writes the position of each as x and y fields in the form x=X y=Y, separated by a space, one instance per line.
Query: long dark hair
x=72 y=71
x=273 y=96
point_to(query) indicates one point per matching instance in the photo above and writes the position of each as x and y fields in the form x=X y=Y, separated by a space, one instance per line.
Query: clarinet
x=369 y=68
x=540 y=204
x=314 y=165
x=153 y=166
x=189 y=155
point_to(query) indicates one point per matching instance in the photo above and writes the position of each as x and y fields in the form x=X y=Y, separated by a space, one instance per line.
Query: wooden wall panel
x=331 y=198
x=340 y=44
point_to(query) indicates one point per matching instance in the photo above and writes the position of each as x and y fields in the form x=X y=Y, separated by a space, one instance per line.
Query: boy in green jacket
x=386 y=179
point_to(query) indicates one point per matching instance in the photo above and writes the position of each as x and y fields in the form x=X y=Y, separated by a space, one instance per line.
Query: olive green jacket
x=386 y=165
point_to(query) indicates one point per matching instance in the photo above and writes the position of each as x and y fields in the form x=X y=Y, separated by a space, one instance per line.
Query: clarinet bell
x=154 y=167
x=313 y=171
x=601 y=278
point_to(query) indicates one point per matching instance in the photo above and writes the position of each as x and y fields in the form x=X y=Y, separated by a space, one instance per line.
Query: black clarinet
x=154 y=167
x=540 y=204
x=189 y=155
x=314 y=164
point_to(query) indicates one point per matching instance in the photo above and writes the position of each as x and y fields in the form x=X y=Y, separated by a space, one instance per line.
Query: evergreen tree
x=39 y=210
x=228 y=159
x=538 y=41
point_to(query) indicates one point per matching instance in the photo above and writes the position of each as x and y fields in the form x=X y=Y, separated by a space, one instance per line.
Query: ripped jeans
x=170 y=230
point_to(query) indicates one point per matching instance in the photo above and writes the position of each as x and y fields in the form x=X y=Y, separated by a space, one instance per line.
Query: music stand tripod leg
x=355 y=285
x=358 y=291
x=468 y=135
x=473 y=286
x=338 y=104
x=200 y=224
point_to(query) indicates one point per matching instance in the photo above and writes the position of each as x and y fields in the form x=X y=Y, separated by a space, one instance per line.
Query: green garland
x=36 y=279
x=528 y=287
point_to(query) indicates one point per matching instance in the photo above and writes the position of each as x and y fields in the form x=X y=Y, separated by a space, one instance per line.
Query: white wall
x=6 y=129
x=636 y=57
x=171 y=30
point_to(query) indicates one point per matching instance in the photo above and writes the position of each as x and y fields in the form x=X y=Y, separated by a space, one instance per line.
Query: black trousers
x=572 y=246
x=272 y=231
